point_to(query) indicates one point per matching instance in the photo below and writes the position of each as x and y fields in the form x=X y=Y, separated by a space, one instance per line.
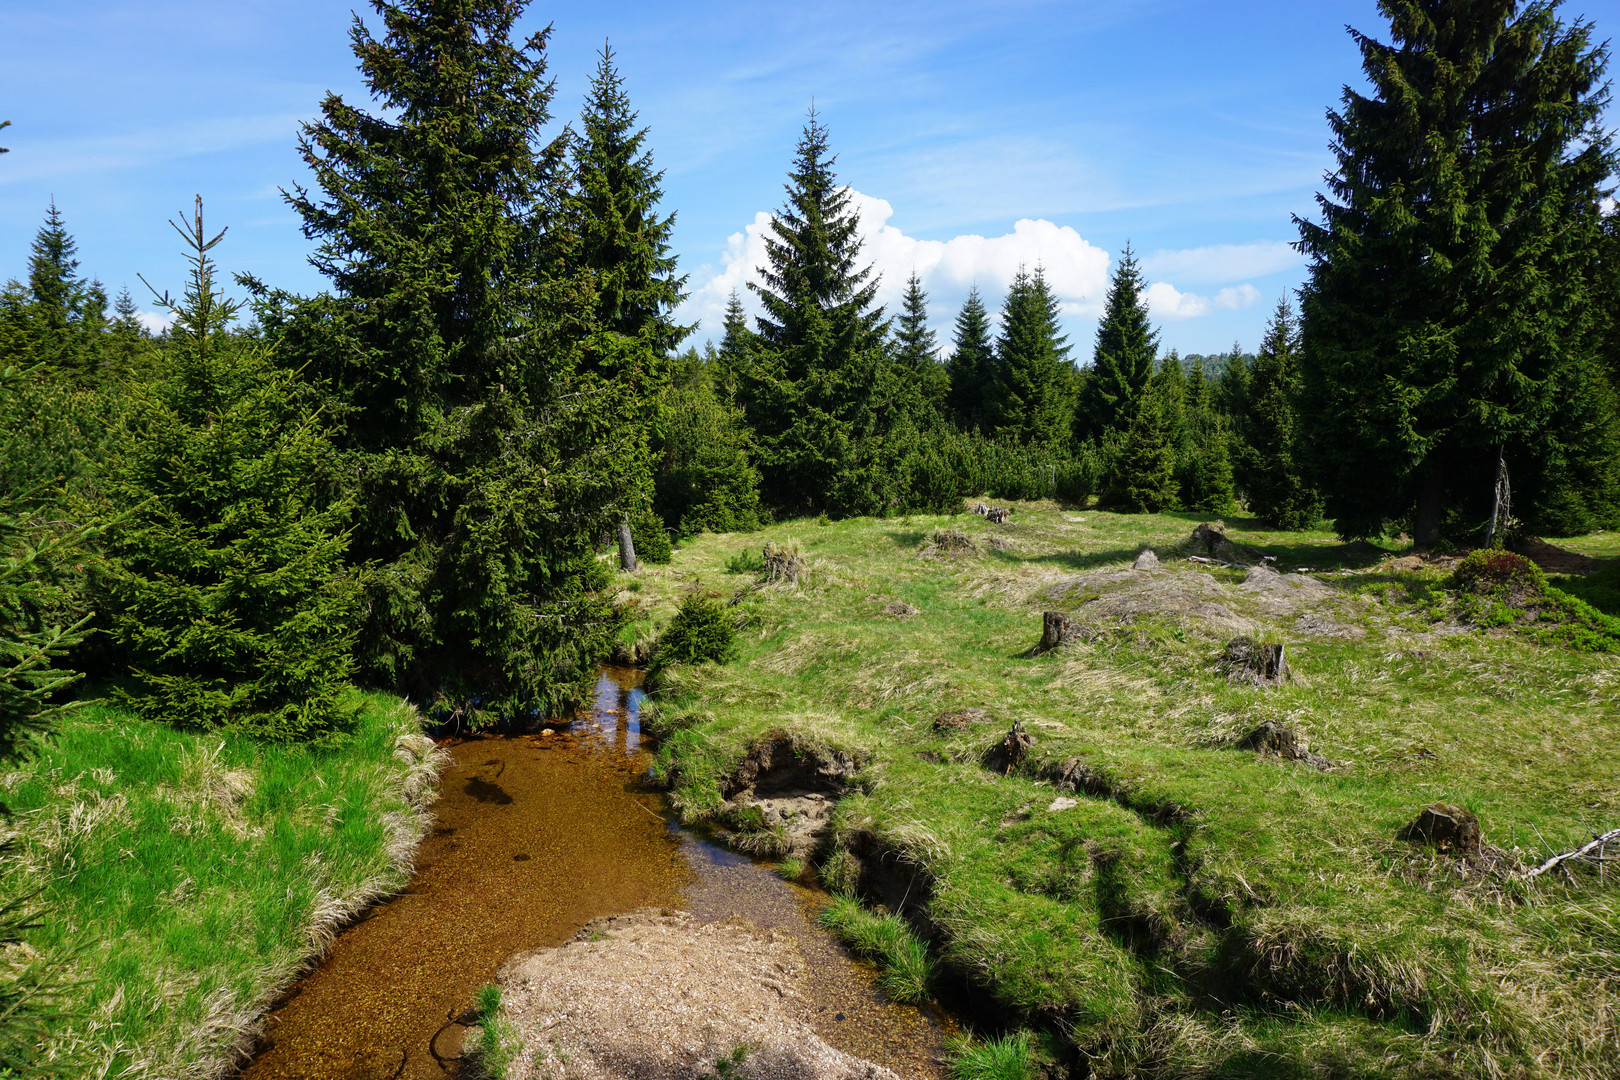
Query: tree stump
x=1055 y=630
x=1448 y=829
x=627 y=546
x=998 y=515
x=1011 y=751
x=1245 y=661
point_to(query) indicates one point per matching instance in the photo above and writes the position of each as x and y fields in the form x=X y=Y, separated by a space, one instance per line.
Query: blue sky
x=978 y=135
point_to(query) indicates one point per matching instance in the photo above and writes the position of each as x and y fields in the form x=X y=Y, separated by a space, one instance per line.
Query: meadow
x=1144 y=889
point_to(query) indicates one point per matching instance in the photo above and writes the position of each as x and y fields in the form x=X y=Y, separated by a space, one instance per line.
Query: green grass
x=1006 y=1058
x=495 y=1042
x=195 y=874
x=1202 y=910
x=907 y=969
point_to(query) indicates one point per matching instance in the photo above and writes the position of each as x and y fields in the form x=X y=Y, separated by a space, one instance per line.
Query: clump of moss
x=1501 y=588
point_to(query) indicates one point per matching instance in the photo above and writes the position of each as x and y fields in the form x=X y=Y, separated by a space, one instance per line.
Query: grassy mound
x=190 y=877
x=1145 y=881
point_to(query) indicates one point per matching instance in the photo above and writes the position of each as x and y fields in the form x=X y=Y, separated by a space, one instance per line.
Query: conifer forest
x=1309 y=770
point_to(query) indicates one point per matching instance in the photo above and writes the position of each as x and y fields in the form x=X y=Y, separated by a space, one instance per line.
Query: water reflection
x=536 y=833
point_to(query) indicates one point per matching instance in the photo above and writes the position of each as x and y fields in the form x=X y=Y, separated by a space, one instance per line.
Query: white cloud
x=1165 y=301
x=152 y=322
x=1222 y=263
x=1076 y=270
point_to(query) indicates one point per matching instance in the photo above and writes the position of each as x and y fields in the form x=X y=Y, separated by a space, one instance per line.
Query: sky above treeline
x=978 y=137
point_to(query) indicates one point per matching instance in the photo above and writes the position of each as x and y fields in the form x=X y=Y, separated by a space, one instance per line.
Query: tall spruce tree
x=1204 y=471
x=821 y=395
x=1028 y=392
x=1123 y=358
x=491 y=426
x=623 y=241
x=916 y=347
x=1269 y=471
x=1448 y=285
x=972 y=364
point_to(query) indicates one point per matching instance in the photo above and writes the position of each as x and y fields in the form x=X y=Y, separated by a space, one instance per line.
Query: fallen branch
x=1215 y=562
x=1583 y=852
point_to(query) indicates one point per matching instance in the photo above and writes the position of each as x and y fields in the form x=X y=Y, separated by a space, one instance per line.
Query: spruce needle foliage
x=1449 y=285
x=1122 y=361
x=972 y=363
x=821 y=395
x=1028 y=392
x=224 y=587
x=1270 y=470
x=492 y=426
x=915 y=347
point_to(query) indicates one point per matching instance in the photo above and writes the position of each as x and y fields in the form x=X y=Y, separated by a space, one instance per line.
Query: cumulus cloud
x=153 y=322
x=1076 y=270
x=1165 y=301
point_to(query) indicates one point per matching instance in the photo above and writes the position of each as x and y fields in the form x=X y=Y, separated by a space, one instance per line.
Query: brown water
x=535 y=836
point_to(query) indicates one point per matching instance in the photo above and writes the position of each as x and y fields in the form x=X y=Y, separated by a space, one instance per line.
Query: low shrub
x=1501 y=588
x=702 y=629
x=651 y=538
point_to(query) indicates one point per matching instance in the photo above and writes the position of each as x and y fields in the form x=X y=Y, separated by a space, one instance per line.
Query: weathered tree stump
x=980 y=509
x=1245 y=661
x=1011 y=751
x=1448 y=829
x=1147 y=560
x=1055 y=630
x=998 y=515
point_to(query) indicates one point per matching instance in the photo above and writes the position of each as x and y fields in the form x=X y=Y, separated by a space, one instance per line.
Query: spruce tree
x=224 y=586
x=1204 y=469
x=1448 y=284
x=623 y=241
x=916 y=347
x=1270 y=473
x=736 y=352
x=1140 y=460
x=972 y=364
x=68 y=313
x=1028 y=392
x=491 y=427
x=1122 y=360
x=704 y=480
x=821 y=395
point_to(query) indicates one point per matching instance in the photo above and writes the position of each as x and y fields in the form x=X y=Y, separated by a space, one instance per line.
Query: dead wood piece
x=1243 y=660
x=1592 y=851
x=998 y=515
x=1447 y=828
x=1009 y=753
x=980 y=509
x=783 y=562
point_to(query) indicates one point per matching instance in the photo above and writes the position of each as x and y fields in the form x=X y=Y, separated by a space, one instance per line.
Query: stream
x=535 y=835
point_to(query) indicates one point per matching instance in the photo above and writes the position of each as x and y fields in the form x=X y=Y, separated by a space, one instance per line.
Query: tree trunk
x=627 y=546
x=1430 y=503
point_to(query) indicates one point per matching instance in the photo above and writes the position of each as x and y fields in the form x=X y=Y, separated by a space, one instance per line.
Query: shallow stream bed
x=535 y=835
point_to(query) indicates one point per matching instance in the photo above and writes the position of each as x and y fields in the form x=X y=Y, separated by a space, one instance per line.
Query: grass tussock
x=1146 y=883
x=907 y=969
x=191 y=877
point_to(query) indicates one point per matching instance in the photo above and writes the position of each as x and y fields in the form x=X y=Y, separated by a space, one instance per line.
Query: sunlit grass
x=1192 y=878
x=196 y=873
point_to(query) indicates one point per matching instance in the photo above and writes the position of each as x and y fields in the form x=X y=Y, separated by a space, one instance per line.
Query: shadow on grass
x=1601 y=588
x=907 y=538
x=1074 y=560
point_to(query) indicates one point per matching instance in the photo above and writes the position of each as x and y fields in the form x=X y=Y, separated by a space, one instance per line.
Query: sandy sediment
x=656 y=994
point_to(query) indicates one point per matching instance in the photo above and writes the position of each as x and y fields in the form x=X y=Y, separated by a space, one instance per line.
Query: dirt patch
x=960 y=719
x=780 y=798
x=901 y=610
x=1314 y=607
x=947 y=542
x=655 y=995
x=1553 y=559
x=1125 y=595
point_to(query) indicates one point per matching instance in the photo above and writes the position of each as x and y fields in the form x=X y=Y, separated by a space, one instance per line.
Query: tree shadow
x=907 y=538
x=1074 y=560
